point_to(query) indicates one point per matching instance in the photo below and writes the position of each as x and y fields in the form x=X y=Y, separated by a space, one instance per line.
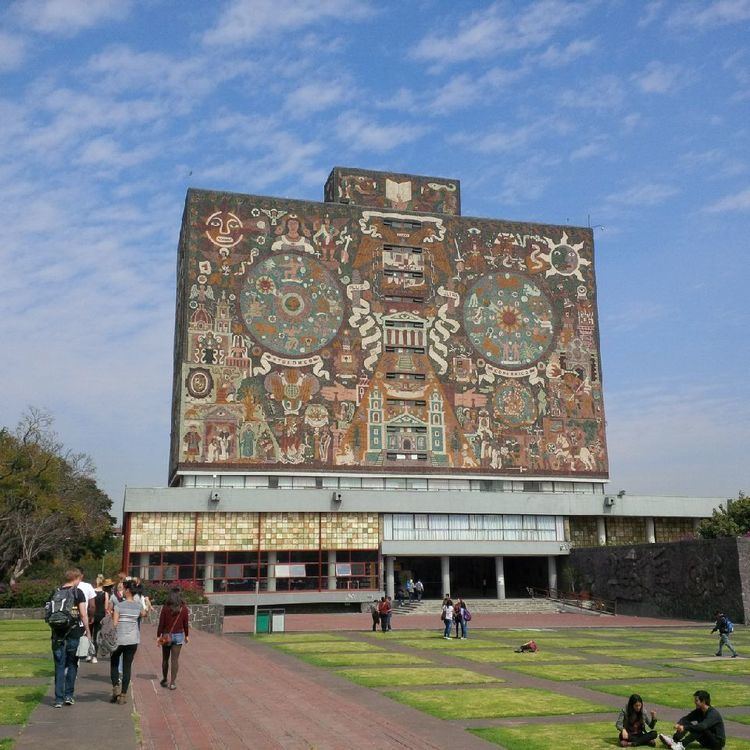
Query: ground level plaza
x=314 y=544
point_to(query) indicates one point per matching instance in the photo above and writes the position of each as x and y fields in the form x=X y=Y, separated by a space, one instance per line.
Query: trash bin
x=263 y=622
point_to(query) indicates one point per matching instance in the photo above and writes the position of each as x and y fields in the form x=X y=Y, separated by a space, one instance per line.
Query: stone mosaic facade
x=673 y=529
x=227 y=531
x=162 y=532
x=350 y=531
x=625 y=530
x=583 y=532
x=384 y=335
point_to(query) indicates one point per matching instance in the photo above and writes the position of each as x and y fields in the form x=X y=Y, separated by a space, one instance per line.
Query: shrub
x=27 y=593
x=192 y=592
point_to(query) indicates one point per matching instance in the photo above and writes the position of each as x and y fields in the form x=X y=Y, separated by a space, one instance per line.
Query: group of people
x=703 y=725
x=109 y=616
x=455 y=613
x=381 y=612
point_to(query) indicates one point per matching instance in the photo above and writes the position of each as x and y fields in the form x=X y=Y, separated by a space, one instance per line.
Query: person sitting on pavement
x=703 y=725
x=634 y=725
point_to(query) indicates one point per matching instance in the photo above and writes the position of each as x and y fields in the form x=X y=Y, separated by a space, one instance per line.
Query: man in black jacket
x=704 y=725
x=722 y=625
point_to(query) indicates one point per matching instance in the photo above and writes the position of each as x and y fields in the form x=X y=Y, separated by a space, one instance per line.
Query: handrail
x=582 y=600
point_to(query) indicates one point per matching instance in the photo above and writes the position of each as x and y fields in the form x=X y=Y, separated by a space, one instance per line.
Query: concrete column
x=332 y=570
x=650 y=531
x=143 y=572
x=445 y=573
x=271 y=581
x=390 y=585
x=552 y=573
x=208 y=581
x=500 y=576
x=601 y=531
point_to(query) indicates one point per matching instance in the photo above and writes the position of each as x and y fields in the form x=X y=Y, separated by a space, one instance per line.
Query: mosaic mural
x=369 y=338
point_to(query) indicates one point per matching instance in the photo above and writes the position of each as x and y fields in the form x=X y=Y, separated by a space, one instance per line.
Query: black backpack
x=61 y=612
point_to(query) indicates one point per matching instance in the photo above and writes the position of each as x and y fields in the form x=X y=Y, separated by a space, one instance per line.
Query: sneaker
x=163 y=683
x=94 y=660
x=734 y=656
x=70 y=701
x=678 y=746
x=57 y=704
x=717 y=654
x=667 y=740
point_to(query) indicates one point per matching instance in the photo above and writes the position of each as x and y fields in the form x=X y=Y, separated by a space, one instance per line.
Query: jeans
x=66 y=667
x=724 y=641
x=127 y=652
x=460 y=624
x=447 y=630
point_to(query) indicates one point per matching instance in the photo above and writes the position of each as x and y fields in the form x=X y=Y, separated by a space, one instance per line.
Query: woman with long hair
x=634 y=725
x=172 y=634
x=446 y=615
x=125 y=616
x=101 y=605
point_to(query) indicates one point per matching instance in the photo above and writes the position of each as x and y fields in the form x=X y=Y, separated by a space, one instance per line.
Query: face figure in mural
x=224 y=229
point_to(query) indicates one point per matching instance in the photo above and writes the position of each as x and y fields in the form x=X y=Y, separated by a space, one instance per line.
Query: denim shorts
x=178 y=639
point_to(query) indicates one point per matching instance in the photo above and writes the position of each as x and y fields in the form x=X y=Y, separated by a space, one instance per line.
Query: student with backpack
x=67 y=617
x=725 y=627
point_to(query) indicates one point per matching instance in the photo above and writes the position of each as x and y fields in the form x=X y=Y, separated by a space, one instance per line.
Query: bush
x=192 y=593
x=27 y=593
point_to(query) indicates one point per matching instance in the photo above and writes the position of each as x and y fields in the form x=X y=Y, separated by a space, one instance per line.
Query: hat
x=108 y=582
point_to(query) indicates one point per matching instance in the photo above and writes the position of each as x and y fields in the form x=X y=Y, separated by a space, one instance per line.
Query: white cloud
x=737 y=202
x=647 y=194
x=502 y=140
x=360 y=133
x=658 y=78
x=316 y=96
x=700 y=16
x=105 y=152
x=595 y=147
x=246 y=21
x=556 y=56
x=604 y=93
x=495 y=30
x=68 y=17
x=651 y=12
x=12 y=51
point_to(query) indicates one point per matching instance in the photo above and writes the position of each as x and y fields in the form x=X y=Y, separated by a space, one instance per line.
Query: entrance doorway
x=426 y=569
x=521 y=572
x=473 y=577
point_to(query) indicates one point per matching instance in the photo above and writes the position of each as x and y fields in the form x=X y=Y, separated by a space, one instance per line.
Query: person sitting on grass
x=634 y=725
x=703 y=725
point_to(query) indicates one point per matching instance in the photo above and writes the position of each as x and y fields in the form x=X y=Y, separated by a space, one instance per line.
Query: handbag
x=84 y=647
x=165 y=639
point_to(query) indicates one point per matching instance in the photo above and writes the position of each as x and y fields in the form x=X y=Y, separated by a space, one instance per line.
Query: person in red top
x=172 y=634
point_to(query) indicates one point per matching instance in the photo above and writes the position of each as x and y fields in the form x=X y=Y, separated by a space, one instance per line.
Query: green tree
x=49 y=500
x=732 y=520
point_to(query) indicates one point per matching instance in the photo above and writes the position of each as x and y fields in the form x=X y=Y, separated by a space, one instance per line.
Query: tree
x=49 y=499
x=734 y=520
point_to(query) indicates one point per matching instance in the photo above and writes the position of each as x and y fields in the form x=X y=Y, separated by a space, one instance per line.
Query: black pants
x=704 y=739
x=642 y=738
x=127 y=652
x=96 y=627
x=172 y=651
x=375 y=621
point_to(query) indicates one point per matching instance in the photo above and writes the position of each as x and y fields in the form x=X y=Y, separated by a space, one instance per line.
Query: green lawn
x=324 y=647
x=716 y=666
x=647 y=653
x=274 y=638
x=27 y=626
x=441 y=644
x=680 y=694
x=24 y=667
x=17 y=703
x=575 y=672
x=739 y=718
x=590 y=736
x=361 y=660
x=508 y=656
x=24 y=647
x=411 y=677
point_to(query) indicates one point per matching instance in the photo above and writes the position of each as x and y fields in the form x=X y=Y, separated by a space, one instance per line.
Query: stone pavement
x=91 y=722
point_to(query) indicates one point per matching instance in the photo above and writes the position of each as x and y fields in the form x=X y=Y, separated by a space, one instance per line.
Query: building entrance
x=521 y=572
x=473 y=577
x=426 y=569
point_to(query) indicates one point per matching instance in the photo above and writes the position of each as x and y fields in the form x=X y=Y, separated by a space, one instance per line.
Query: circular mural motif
x=291 y=304
x=508 y=319
x=199 y=382
x=515 y=405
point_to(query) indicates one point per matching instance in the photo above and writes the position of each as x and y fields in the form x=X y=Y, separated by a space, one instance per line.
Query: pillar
x=332 y=570
x=552 y=574
x=143 y=561
x=650 y=531
x=500 y=576
x=601 y=531
x=271 y=579
x=208 y=575
x=445 y=573
x=390 y=587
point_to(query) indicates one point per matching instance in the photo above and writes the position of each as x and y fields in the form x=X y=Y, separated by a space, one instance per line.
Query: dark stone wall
x=686 y=579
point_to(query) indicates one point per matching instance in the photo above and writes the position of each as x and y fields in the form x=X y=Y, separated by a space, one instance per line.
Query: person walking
x=410 y=589
x=465 y=617
x=375 y=614
x=126 y=616
x=171 y=635
x=101 y=605
x=388 y=612
x=725 y=627
x=67 y=616
x=383 y=614
x=703 y=725
x=458 y=619
x=634 y=725
x=419 y=589
x=446 y=616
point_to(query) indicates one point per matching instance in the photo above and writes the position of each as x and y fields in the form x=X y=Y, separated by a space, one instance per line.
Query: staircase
x=480 y=606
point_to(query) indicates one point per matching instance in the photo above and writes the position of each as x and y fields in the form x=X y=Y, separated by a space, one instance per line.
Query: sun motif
x=564 y=257
x=509 y=319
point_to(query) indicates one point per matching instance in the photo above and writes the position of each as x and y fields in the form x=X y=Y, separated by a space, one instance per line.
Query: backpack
x=467 y=615
x=728 y=625
x=60 y=612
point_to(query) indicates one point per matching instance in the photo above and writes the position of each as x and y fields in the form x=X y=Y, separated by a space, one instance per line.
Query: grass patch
x=493 y=656
x=645 y=653
x=6 y=744
x=17 y=703
x=739 y=718
x=577 y=672
x=324 y=647
x=274 y=638
x=494 y=703
x=409 y=635
x=412 y=677
x=362 y=660
x=21 y=648
x=27 y=626
x=12 y=667
x=715 y=666
x=440 y=644
x=680 y=694
x=590 y=736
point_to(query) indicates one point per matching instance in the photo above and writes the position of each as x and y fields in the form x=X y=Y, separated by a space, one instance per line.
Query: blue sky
x=634 y=117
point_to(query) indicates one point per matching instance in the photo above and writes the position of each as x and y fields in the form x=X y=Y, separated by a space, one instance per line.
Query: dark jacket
x=711 y=722
x=646 y=721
